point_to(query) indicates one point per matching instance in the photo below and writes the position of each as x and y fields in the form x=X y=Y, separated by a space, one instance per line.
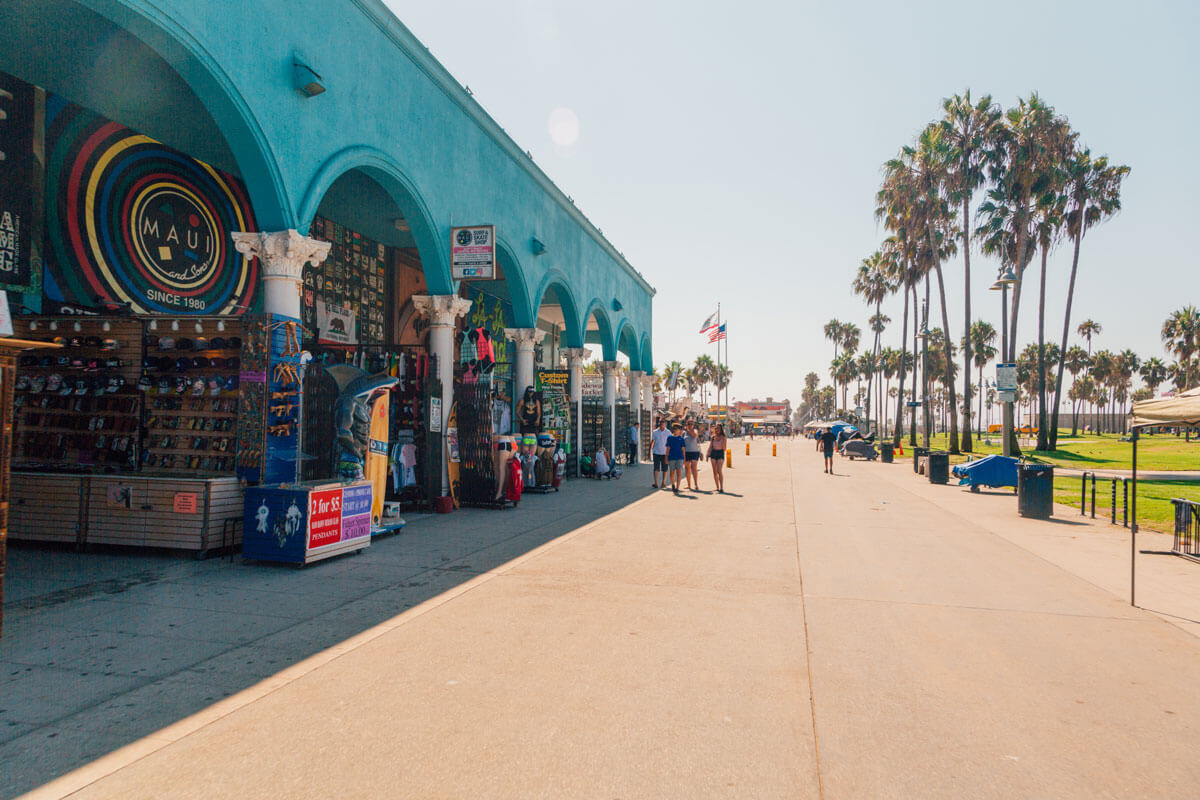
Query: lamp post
x=923 y=338
x=1006 y=279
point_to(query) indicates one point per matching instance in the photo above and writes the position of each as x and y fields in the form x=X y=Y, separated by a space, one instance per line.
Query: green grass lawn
x=1155 y=452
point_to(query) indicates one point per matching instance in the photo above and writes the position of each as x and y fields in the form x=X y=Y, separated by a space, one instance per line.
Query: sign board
x=473 y=253
x=913 y=404
x=335 y=324
x=324 y=518
x=18 y=177
x=187 y=503
x=435 y=415
x=1006 y=397
x=6 y=328
x=592 y=388
x=556 y=408
x=1006 y=377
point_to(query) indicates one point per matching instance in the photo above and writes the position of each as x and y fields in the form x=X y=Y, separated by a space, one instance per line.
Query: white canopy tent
x=1179 y=411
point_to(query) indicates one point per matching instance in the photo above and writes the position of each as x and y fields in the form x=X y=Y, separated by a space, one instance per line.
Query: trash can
x=1035 y=490
x=887 y=454
x=939 y=466
x=918 y=453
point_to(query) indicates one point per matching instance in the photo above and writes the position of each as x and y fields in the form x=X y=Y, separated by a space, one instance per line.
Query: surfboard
x=452 y=456
x=376 y=468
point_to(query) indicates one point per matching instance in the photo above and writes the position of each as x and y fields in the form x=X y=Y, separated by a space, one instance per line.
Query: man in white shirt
x=659 y=451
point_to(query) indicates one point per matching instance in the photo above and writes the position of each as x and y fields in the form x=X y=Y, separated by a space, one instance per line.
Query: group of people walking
x=677 y=453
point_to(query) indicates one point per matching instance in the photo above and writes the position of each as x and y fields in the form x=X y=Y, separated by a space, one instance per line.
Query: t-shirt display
x=351 y=284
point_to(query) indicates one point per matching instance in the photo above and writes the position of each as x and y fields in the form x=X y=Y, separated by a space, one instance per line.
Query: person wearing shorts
x=826 y=442
x=675 y=444
x=658 y=451
x=691 y=455
x=716 y=455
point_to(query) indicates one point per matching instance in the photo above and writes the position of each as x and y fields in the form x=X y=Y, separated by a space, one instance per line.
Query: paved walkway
x=857 y=635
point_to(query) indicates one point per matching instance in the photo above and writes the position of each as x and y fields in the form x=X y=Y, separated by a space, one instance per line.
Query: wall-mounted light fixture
x=306 y=79
x=401 y=224
x=617 y=304
x=538 y=248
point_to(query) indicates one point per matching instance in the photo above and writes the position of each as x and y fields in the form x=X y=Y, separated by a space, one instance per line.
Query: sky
x=732 y=151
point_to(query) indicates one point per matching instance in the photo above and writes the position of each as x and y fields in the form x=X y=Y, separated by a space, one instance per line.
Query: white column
x=575 y=358
x=648 y=395
x=635 y=394
x=282 y=256
x=443 y=311
x=611 y=369
x=524 y=339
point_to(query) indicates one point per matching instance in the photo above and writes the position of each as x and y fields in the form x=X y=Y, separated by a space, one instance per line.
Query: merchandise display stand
x=302 y=523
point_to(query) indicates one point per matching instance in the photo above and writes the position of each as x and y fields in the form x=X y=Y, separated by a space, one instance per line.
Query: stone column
x=648 y=395
x=635 y=404
x=282 y=256
x=611 y=369
x=524 y=339
x=575 y=358
x=443 y=311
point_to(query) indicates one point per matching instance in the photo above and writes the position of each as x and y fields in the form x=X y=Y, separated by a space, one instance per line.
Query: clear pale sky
x=732 y=151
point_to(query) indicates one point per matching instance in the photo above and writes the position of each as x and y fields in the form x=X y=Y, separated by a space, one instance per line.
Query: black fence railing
x=1187 y=529
x=1112 y=503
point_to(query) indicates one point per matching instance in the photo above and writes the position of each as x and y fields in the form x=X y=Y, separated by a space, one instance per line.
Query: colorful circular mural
x=135 y=222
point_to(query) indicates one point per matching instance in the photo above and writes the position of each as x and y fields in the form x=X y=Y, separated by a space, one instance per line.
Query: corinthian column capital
x=576 y=355
x=441 y=309
x=282 y=254
x=525 y=337
x=612 y=368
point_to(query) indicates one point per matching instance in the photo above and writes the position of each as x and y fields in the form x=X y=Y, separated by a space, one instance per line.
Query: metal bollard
x=747 y=448
x=773 y=448
x=1113 y=505
x=1125 y=503
x=1093 y=495
x=729 y=458
x=1083 y=495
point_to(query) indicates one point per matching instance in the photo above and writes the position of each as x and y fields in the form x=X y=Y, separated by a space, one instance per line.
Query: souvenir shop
x=162 y=389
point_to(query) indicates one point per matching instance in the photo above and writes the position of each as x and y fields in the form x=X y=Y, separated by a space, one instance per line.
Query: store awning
x=1182 y=409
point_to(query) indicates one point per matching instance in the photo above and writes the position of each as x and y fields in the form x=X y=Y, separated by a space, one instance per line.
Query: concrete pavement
x=857 y=635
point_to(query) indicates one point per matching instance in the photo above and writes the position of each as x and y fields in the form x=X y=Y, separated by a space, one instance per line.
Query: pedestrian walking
x=675 y=453
x=691 y=455
x=825 y=443
x=716 y=456
x=634 y=436
x=658 y=451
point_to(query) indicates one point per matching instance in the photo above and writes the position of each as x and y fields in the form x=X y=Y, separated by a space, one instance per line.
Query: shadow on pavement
x=100 y=649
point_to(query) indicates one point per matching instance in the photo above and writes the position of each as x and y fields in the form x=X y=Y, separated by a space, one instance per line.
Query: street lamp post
x=1006 y=279
x=923 y=336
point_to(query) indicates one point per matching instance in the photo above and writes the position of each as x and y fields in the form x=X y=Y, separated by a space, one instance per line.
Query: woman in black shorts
x=691 y=455
x=716 y=455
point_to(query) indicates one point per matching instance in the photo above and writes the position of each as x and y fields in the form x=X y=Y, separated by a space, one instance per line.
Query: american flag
x=716 y=334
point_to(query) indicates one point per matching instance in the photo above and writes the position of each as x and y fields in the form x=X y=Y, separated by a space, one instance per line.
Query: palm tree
x=1101 y=372
x=1153 y=373
x=1093 y=193
x=672 y=368
x=982 y=345
x=705 y=370
x=1087 y=329
x=873 y=283
x=970 y=130
x=844 y=369
x=1049 y=216
x=690 y=383
x=1029 y=144
x=1076 y=360
x=1181 y=335
x=721 y=377
x=833 y=332
x=851 y=336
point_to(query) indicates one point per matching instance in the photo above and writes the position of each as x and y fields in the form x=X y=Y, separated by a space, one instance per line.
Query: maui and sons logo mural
x=18 y=171
x=136 y=223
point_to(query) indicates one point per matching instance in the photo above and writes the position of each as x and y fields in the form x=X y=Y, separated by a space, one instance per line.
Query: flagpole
x=718 y=345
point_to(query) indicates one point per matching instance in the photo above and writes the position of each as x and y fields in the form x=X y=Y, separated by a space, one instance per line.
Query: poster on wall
x=556 y=407
x=352 y=277
x=335 y=325
x=19 y=174
x=473 y=253
x=132 y=224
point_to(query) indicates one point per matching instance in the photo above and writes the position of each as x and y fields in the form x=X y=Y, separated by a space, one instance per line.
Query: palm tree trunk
x=980 y=387
x=1022 y=243
x=1062 y=353
x=966 y=434
x=912 y=427
x=951 y=397
x=1043 y=440
x=898 y=433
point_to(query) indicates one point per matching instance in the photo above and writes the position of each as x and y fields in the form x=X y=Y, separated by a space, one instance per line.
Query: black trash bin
x=918 y=452
x=887 y=453
x=1035 y=490
x=939 y=466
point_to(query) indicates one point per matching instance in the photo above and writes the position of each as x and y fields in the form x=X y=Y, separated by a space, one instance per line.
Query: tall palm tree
x=1181 y=335
x=982 y=344
x=1093 y=193
x=1049 y=219
x=721 y=378
x=1076 y=360
x=873 y=283
x=1028 y=145
x=851 y=336
x=672 y=368
x=1087 y=329
x=1102 y=372
x=705 y=370
x=844 y=369
x=1153 y=373
x=833 y=333
x=970 y=129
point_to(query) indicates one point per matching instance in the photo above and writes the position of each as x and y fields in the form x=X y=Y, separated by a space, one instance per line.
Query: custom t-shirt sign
x=129 y=221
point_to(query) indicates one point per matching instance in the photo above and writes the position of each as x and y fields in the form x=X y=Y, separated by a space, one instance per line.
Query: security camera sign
x=473 y=253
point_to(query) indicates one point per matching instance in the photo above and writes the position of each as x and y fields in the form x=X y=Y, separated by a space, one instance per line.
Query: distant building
x=764 y=412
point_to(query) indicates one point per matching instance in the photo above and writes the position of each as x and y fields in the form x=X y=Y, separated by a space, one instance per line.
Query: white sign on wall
x=473 y=253
x=335 y=325
x=1006 y=377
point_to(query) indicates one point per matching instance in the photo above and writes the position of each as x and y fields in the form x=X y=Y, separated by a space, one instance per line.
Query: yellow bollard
x=773 y=445
x=729 y=458
x=747 y=448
